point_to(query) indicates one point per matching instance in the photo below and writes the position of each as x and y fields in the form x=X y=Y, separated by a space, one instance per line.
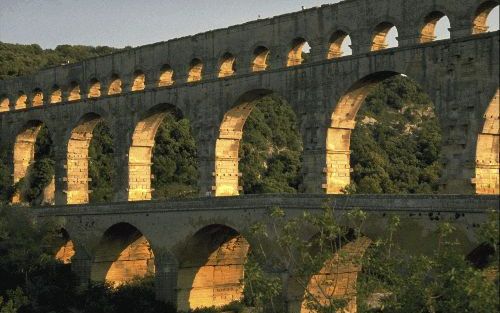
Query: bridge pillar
x=60 y=169
x=166 y=269
x=122 y=146
x=81 y=266
x=206 y=136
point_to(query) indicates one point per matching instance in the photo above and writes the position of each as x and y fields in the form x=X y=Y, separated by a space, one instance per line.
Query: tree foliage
x=271 y=149
x=18 y=60
x=102 y=168
x=175 y=167
x=393 y=279
x=396 y=144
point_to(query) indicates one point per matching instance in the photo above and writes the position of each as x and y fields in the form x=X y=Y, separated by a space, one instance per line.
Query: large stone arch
x=122 y=255
x=24 y=156
x=226 y=180
x=141 y=151
x=211 y=268
x=342 y=123
x=77 y=159
x=336 y=280
x=487 y=178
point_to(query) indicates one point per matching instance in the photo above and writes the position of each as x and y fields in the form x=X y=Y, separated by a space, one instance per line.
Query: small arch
x=22 y=98
x=260 y=61
x=195 y=71
x=385 y=36
x=95 y=88
x=37 y=97
x=74 y=91
x=77 y=164
x=296 y=54
x=211 y=268
x=66 y=249
x=115 y=87
x=436 y=27
x=485 y=14
x=166 y=76
x=56 y=95
x=227 y=65
x=139 y=82
x=122 y=255
x=4 y=103
x=340 y=43
x=487 y=179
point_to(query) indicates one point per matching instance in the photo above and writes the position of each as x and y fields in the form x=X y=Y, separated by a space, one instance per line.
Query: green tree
x=397 y=141
x=101 y=164
x=175 y=167
x=271 y=149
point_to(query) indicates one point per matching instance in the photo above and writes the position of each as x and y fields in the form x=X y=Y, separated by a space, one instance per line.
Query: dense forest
x=395 y=146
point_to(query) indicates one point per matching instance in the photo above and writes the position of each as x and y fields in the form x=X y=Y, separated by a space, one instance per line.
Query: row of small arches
x=385 y=36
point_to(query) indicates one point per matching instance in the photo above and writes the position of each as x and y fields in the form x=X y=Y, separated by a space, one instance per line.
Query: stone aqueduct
x=213 y=78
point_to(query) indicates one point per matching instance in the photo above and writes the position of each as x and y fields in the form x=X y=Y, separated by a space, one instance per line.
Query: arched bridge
x=196 y=248
x=213 y=78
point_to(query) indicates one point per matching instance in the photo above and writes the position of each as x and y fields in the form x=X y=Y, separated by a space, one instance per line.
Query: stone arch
x=66 y=248
x=139 y=82
x=4 y=103
x=295 y=55
x=337 y=279
x=337 y=41
x=24 y=153
x=228 y=144
x=77 y=159
x=487 y=179
x=428 y=31
x=141 y=151
x=227 y=65
x=380 y=36
x=115 y=86
x=94 y=89
x=166 y=76
x=123 y=254
x=260 y=60
x=74 y=91
x=195 y=70
x=211 y=268
x=21 y=102
x=338 y=138
x=56 y=94
x=37 y=99
x=479 y=24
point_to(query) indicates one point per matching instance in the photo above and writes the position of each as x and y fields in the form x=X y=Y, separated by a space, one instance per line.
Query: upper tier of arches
x=337 y=38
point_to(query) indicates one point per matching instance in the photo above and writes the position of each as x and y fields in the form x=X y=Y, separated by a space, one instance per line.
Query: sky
x=120 y=23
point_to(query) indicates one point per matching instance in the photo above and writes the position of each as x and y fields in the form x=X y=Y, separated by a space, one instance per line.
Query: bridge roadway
x=109 y=241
